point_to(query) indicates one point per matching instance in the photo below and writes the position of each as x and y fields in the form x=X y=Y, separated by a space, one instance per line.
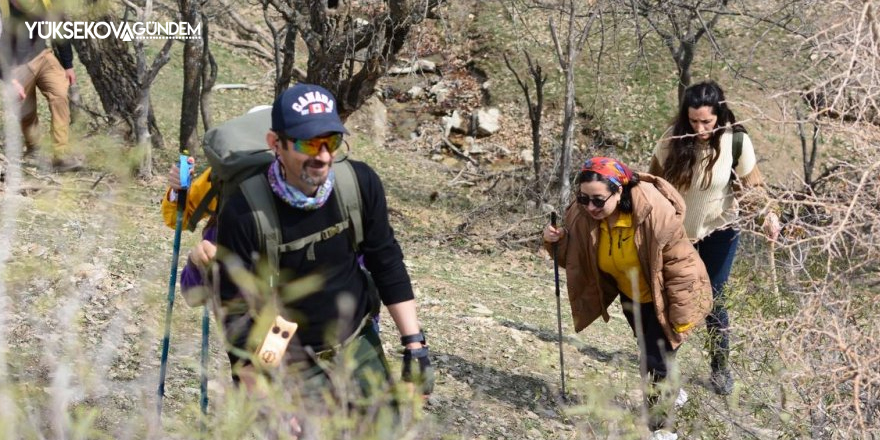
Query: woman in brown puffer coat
x=623 y=236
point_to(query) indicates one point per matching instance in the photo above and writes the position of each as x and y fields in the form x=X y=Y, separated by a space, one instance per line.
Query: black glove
x=426 y=371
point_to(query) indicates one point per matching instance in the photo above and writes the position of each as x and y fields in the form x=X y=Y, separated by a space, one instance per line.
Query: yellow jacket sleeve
x=681 y=328
x=197 y=191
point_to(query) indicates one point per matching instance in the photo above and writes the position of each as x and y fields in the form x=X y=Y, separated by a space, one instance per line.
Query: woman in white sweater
x=703 y=155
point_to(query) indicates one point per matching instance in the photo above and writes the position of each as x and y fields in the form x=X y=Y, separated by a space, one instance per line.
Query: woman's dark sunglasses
x=585 y=200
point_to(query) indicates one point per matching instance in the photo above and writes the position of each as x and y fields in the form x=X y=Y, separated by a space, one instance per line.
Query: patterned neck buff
x=295 y=197
x=610 y=169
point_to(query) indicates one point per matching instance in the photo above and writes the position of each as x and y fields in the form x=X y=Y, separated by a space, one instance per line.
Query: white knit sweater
x=715 y=207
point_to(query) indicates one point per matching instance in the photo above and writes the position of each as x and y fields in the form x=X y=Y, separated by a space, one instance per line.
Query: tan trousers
x=45 y=72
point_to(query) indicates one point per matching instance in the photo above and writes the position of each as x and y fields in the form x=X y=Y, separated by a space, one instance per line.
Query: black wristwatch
x=418 y=337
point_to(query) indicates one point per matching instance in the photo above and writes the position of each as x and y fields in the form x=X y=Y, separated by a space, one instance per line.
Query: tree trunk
x=209 y=77
x=683 y=61
x=142 y=130
x=113 y=72
x=808 y=154
x=536 y=149
x=285 y=69
x=156 y=137
x=192 y=78
x=567 y=136
x=567 y=57
x=123 y=81
x=535 y=111
x=144 y=117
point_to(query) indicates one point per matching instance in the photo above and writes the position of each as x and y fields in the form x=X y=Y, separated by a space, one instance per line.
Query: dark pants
x=654 y=354
x=366 y=358
x=717 y=251
x=365 y=348
x=657 y=348
x=355 y=375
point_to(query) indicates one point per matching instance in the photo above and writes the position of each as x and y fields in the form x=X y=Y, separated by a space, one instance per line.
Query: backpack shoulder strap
x=348 y=197
x=258 y=194
x=201 y=210
x=737 y=147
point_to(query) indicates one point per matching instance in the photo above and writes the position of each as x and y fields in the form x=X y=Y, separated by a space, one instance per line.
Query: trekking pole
x=172 y=282
x=203 y=400
x=558 y=305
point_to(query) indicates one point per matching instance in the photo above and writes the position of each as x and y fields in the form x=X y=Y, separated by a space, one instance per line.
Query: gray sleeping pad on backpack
x=237 y=150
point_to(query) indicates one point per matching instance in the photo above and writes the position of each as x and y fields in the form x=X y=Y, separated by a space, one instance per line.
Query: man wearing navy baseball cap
x=320 y=231
x=305 y=119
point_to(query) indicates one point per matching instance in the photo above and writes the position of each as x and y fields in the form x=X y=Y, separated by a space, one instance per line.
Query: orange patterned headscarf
x=610 y=169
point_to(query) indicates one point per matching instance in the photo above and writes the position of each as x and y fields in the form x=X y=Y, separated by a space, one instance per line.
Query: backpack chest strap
x=259 y=196
x=311 y=239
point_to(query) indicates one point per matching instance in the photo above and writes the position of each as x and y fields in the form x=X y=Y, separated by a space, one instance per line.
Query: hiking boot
x=722 y=382
x=30 y=152
x=662 y=434
x=66 y=165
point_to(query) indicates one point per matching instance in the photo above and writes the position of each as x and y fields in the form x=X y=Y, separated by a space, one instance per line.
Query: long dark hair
x=626 y=203
x=681 y=162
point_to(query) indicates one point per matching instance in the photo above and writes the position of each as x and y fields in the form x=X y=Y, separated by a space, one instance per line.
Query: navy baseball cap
x=305 y=111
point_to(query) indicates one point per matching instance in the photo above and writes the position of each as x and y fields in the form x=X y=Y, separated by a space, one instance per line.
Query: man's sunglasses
x=585 y=200
x=312 y=147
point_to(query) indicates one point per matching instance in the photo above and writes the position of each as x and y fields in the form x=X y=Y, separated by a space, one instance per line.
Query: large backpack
x=239 y=158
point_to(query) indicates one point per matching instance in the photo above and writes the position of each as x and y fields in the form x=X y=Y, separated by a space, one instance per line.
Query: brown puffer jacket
x=679 y=284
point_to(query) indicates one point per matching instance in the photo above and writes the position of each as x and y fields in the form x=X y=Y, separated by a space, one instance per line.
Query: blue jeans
x=717 y=251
